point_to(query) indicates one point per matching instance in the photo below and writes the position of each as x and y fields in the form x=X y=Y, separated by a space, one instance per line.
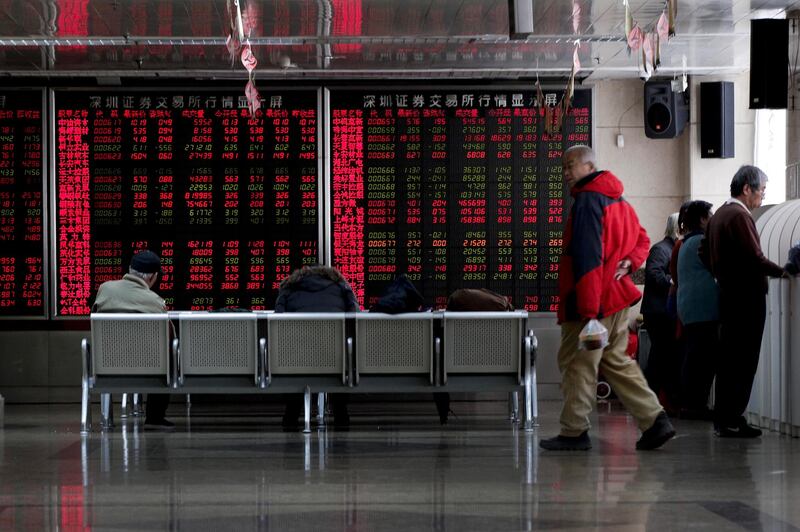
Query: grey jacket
x=129 y=294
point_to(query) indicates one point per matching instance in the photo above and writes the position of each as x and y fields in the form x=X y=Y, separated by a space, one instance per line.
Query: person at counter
x=732 y=252
x=603 y=243
x=663 y=362
x=133 y=293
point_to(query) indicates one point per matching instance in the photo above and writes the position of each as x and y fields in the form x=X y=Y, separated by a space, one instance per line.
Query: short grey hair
x=753 y=176
x=146 y=276
x=672 y=230
x=583 y=152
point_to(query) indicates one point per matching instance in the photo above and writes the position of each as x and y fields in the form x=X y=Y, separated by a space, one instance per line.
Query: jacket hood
x=603 y=182
x=310 y=283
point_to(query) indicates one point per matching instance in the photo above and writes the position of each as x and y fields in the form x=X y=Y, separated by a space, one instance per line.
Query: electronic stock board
x=456 y=188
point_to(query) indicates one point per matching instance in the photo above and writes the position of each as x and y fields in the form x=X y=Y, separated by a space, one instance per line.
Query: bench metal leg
x=531 y=402
x=123 y=406
x=137 y=404
x=106 y=411
x=513 y=407
x=86 y=411
x=321 y=397
x=86 y=408
x=307 y=410
x=531 y=399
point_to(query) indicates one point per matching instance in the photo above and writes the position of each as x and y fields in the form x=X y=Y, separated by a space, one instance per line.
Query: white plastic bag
x=593 y=336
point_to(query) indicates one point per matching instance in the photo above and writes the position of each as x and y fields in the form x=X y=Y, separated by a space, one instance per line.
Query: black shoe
x=739 y=430
x=159 y=424
x=442 y=401
x=567 y=443
x=657 y=435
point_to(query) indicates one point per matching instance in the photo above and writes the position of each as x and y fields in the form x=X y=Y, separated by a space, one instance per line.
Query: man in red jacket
x=603 y=243
x=732 y=250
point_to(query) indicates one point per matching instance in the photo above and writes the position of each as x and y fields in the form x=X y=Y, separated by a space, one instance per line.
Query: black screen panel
x=229 y=201
x=22 y=204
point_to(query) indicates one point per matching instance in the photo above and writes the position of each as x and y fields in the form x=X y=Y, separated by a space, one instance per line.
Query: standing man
x=732 y=251
x=603 y=243
x=133 y=293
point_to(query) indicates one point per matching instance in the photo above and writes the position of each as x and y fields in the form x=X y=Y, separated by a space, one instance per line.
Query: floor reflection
x=481 y=473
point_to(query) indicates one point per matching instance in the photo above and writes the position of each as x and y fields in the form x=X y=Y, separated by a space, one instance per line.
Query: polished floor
x=222 y=469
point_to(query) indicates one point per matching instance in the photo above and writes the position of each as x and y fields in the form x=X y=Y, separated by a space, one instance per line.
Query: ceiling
x=378 y=39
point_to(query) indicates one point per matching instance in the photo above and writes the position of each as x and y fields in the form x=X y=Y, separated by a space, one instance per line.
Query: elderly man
x=133 y=293
x=732 y=251
x=603 y=243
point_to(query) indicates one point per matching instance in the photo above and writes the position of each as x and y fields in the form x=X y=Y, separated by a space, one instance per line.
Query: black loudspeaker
x=666 y=113
x=716 y=120
x=769 y=63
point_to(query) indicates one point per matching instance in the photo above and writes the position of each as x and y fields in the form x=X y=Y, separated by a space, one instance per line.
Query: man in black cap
x=133 y=293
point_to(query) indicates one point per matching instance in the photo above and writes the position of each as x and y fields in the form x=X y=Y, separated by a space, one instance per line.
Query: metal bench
x=490 y=351
x=126 y=353
x=305 y=352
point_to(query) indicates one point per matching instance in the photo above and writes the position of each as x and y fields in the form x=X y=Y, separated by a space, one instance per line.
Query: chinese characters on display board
x=22 y=276
x=229 y=201
x=456 y=188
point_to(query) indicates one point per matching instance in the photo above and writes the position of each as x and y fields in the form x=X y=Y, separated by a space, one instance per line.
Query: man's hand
x=623 y=269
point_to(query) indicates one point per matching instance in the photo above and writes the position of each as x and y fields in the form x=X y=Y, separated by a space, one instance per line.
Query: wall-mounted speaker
x=716 y=120
x=666 y=113
x=520 y=18
x=769 y=63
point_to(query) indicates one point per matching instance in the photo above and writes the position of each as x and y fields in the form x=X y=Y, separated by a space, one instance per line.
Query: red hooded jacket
x=602 y=229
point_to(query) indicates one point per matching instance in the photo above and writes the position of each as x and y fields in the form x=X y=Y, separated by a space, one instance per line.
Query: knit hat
x=146 y=262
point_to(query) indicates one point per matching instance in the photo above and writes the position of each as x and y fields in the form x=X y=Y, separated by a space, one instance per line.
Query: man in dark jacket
x=316 y=289
x=603 y=243
x=732 y=251
x=663 y=362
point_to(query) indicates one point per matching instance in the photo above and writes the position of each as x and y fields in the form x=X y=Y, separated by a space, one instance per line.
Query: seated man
x=316 y=288
x=133 y=293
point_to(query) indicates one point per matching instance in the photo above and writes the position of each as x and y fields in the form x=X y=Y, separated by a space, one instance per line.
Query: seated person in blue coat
x=316 y=288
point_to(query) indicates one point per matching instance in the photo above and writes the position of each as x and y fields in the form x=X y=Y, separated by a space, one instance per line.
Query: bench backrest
x=484 y=342
x=218 y=344
x=394 y=343
x=130 y=344
x=306 y=343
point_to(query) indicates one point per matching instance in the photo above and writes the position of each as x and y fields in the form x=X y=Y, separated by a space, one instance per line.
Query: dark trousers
x=742 y=317
x=155 y=407
x=702 y=350
x=663 y=372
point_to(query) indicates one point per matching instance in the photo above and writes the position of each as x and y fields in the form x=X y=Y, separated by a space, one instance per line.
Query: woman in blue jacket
x=698 y=310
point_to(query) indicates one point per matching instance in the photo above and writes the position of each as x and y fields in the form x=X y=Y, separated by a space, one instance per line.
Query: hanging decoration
x=238 y=43
x=554 y=116
x=672 y=9
x=569 y=91
x=650 y=42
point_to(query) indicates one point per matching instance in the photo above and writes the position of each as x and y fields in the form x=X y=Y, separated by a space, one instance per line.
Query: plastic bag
x=593 y=336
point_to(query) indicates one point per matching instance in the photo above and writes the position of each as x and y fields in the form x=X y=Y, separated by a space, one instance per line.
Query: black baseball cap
x=146 y=262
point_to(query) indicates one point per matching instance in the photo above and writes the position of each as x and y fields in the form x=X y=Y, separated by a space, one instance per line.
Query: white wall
x=661 y=174
x=655 y=172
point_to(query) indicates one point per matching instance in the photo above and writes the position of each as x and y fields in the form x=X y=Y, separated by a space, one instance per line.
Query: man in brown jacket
x=732 y=251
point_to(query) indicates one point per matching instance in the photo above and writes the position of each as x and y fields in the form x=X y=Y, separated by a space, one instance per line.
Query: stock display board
x=22 y=242
x=456 y=188
x=228 y=200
